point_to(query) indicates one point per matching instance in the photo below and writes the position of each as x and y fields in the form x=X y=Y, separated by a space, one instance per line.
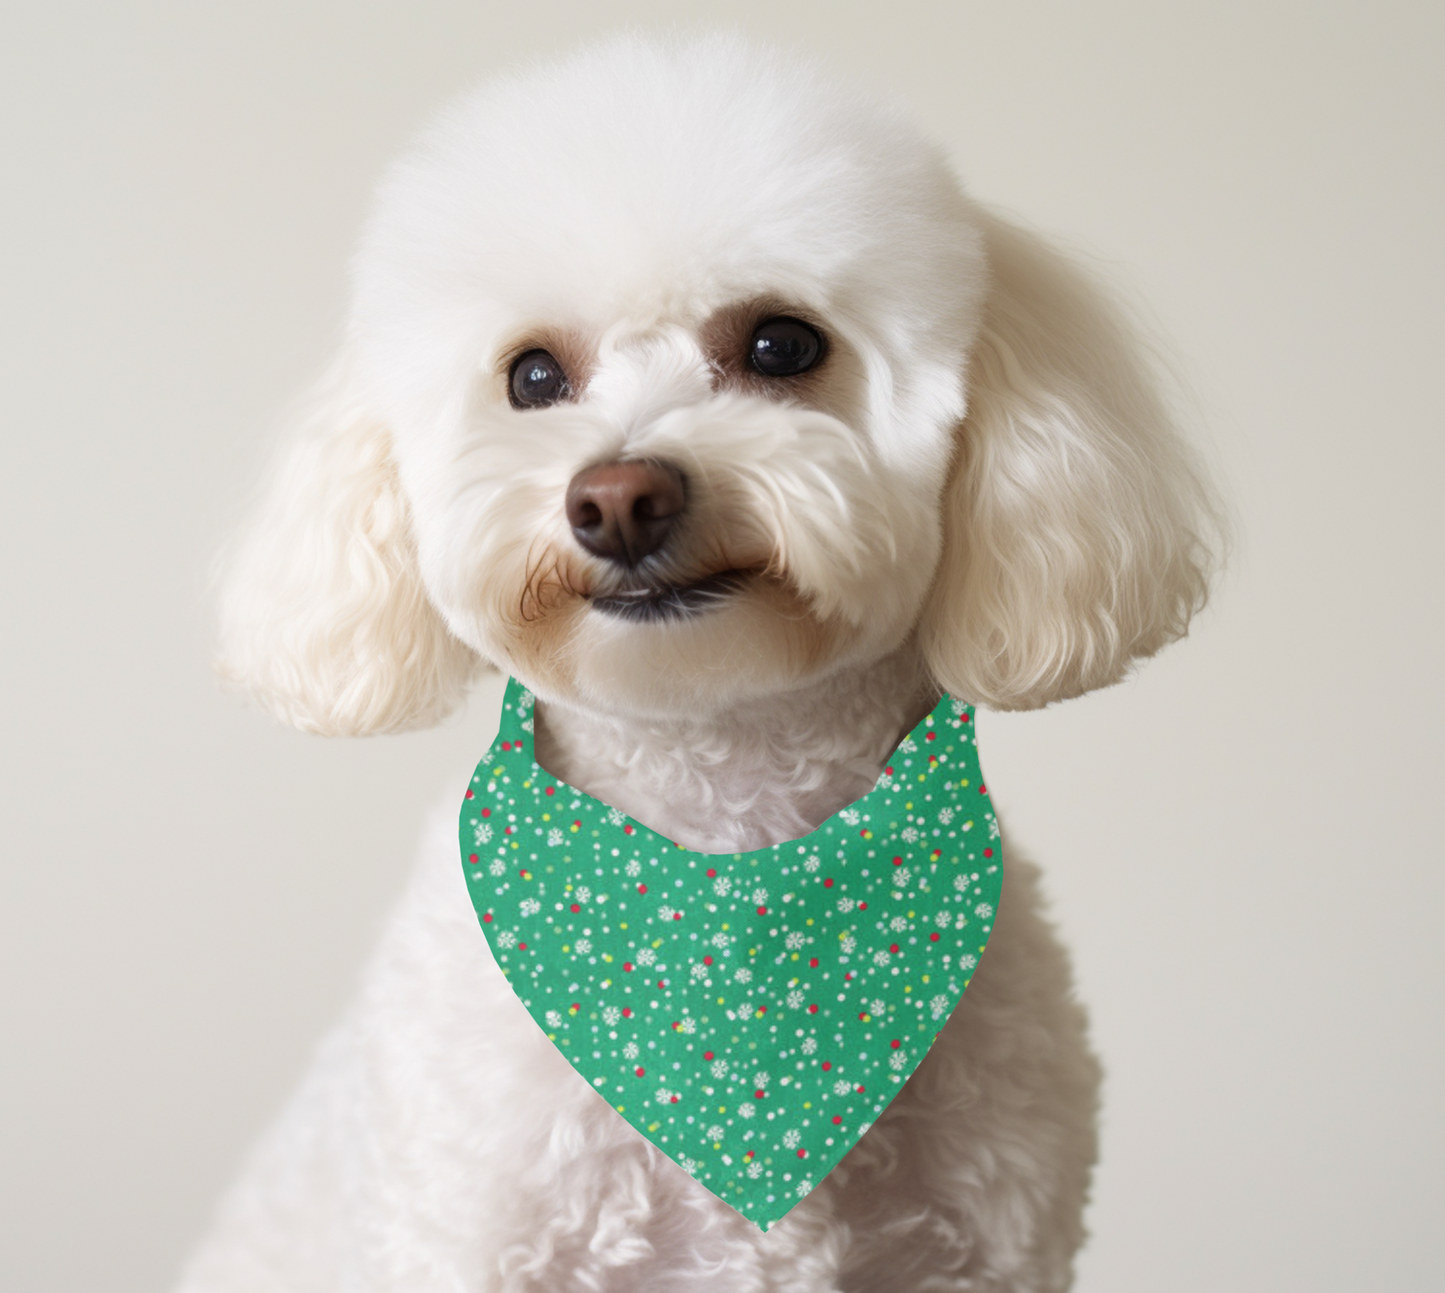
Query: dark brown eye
x=537 y=380
x=784 y=347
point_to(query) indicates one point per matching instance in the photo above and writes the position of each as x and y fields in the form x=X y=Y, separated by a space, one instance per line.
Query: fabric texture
x=751 y=1014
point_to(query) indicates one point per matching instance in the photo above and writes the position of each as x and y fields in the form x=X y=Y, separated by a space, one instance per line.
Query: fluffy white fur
x=979 y=491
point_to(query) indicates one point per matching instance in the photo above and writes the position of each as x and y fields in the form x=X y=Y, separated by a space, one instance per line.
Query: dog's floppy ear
x=323 y=614
x=1076 y=524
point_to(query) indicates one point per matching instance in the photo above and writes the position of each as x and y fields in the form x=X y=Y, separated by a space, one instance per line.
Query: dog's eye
x=784 y=347
x=537 y=380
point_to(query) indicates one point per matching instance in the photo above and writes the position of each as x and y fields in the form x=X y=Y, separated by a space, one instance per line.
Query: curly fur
x=980 y=490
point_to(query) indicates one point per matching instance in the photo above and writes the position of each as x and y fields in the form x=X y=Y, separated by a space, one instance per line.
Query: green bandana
x=751 y=1014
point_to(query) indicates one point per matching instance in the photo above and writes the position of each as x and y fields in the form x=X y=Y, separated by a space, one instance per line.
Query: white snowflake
x=699 y=970
x=908 y=746
x=689 y=1165
x=811 y=864
x=498 y=866
x=794 y=999
x=943 y=919
x=664 y=1096
x=633 y=867
x=849 y=816
x=526 y=725
x=505 y=938
x=482 y=832
x=686 y=1025
x=983 y=909
x=897 y=1061
x=938 y=1006
x=877 y=1006
x=719 y=1068
x=845 y=905
x=721 y=940
x=847 y=944
x=616 y=816
x=755 y=1169
x=715 y=1132
x=583 y=894
x=794 y=940
x=791 y=1137
x=610 y=1015
x=967 y=961
x=722 y=886
x=760 y=897
x=666 y=913
x=583 y=946
x=961 y=883
x=744 y=975
x=530 y=906
x=646 y=956
x=803 y=1187
x=993 y=828
x=809 y=1045
x=881 y=958
x=747 y=1110
x=554 y=837
x=945 y=815
x=761 y=1080
x=958 y=706
x=898 y=924
x=909 y=834
x=554 y=1019
x=842 y=1086
x=629 y=1051
x=902 y=875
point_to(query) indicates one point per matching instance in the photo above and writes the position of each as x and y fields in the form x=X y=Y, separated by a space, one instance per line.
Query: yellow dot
x=807 y=1104
x=722 y=1108
x=623 y=925
x=724 y=925
x=547 y=817
x=964 y=782
x=909 y=805
x=719 y=1001
x=920 y=776
x=515 y=844
x=795 y=957
x=810 y=920
x=497 y=772
x=910 y=915
x=653 y=1126
x=907 y=988
x=925 y=978
x=717 y=1144
x=565 y=948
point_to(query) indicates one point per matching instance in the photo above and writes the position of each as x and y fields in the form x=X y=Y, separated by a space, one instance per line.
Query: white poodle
x=688 y=388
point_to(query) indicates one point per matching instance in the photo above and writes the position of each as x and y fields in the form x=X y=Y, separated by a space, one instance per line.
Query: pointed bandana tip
x=751 y=1014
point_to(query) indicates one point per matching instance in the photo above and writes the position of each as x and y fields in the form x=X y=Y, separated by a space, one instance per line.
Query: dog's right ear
x=323 y=614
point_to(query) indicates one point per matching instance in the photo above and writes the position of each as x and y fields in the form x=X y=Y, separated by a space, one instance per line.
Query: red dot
x=627 y=965
x=827 y=1064
x=812 y=1010
x=486 y=812
x=895 y=1043
x=470 y=795
x=762 y=1010
x=802 y=1153
x=859 y=1090
x=863 y=1014
x=506 y=745
x=711 y=871
x=837 y=1118
x=642 y=888
x=813 y=962
x=487 y=919
x=762 y=911
x=707 y=960
x=983 y=790
x=627 y=1012
x=988 y=853
x=931 y=736
x=933 y=938
x=677 y=915
x=575 y=907
x=707 y=1055
x=641 y=1072
x=674 y=1099
x=550 y=790
x=758 y=1094
x=828 y=883
x=523 y=946
x=963 y=718
x=577 y=823
x=629 y=830
x=862 y=906
x=471 y=857
x=889 y=771
x=847 y=976
x=893 y=947
x=661 y=983
x=576 y=1005
x=897 y=861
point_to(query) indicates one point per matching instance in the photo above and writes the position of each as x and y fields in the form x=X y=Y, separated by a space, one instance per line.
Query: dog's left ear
x=1077 y=526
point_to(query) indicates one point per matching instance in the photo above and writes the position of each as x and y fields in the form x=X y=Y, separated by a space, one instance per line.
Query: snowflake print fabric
x=751 y=1014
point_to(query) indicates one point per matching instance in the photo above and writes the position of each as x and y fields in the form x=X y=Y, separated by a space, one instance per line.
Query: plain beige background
x=1243 y=842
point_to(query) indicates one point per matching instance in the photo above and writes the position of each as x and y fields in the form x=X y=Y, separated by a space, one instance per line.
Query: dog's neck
x=764 y=772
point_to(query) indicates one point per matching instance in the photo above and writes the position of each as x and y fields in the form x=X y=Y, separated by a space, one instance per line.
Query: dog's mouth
x=651 y=603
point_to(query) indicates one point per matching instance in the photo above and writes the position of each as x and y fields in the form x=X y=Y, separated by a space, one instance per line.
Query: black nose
x=621 y=511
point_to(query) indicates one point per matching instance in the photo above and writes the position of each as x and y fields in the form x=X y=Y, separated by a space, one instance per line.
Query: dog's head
x=677 y=376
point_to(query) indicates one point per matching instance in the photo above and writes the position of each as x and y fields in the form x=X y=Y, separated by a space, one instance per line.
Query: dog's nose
x=622 y=511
